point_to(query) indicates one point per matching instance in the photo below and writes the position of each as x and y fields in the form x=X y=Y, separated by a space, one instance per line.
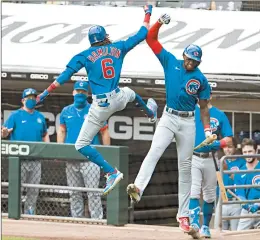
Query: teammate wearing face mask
x=84 y=173
x=27 y=124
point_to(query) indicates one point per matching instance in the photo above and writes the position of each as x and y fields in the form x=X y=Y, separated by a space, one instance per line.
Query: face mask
x=80 y=100
x=30 y=103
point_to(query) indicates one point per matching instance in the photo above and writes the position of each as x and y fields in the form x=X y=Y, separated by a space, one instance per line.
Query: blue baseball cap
x=29 y=91
x=81 y=85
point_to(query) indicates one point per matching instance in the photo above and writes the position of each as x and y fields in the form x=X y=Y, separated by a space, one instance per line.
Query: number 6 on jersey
x=107 y=68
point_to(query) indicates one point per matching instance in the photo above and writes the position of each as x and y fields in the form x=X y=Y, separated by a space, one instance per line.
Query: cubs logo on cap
x=29 y=91
x=81 y=85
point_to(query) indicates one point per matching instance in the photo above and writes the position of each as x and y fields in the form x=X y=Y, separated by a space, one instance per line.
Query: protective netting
x=56 y=202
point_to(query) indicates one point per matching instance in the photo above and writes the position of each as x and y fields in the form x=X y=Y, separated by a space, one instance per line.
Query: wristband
x=51 y=87
x=147 y=17
x=207 y=128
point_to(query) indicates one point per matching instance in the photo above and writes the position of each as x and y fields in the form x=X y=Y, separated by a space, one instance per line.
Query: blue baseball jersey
x=232 y=165
x=73 y=119
x=219 y=124
x=26 y=126
x=248 y=179
x=183 y=88
x=104 y=63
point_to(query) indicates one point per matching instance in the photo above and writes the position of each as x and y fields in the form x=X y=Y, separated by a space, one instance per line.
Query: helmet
x=193 y=52
x=96 y=34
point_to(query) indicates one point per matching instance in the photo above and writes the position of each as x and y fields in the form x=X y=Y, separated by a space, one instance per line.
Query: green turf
x=17 y=238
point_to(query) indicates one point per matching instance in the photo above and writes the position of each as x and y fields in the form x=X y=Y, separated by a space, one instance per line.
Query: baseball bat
x=207 y=141
x=220 y=180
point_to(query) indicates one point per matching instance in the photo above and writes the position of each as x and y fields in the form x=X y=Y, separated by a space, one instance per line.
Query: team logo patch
x=235 y=168
x=196 y=54
x=81 y=84
x=214 y=123
x=39 y=120
x=192 y=86
x=256 y=180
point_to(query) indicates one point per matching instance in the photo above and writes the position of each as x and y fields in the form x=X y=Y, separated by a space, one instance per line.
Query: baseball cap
x=81 y=85
x=29 y=91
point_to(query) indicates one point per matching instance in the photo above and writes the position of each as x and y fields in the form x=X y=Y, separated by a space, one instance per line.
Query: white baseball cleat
x=133 y=192
x=152 y=105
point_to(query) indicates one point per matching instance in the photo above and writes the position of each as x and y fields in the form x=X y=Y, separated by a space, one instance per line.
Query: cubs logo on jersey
x=235 y=168
x=214 y=123
x=256 y=180
x=192 y=86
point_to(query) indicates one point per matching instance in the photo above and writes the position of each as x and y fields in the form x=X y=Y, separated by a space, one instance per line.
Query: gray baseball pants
x=87 y=175
x=183 y=130
x=98 y=115
x=31 y=173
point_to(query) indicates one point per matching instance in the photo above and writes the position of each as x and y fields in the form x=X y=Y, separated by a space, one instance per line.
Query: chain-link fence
x=57 y=202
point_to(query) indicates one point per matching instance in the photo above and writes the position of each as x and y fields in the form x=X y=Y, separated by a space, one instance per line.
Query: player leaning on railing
x=103 y=63
x=248 y=148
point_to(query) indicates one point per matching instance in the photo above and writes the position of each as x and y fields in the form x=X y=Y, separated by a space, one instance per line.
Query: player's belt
x=179 y=113
x=107 y=95
x=202 y=155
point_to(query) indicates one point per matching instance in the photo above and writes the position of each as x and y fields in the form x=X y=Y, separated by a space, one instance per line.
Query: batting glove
x=42 y=96
x=148 y=9
x=253 y=208
x=164 y=19
x=215 y=145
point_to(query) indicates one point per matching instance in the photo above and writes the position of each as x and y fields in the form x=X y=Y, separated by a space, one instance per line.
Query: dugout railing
x=221 y=203
x=14 y=152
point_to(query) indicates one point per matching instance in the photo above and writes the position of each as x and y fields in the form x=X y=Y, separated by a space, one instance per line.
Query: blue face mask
x=30 y=103
x=80 y=100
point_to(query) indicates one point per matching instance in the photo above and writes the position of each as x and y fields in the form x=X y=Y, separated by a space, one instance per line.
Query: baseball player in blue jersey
x=103 y=62
x=230 y=209
x=248 y=147
x=27 y=124
x=203 y=171
x=184 y=84
x=87 y=173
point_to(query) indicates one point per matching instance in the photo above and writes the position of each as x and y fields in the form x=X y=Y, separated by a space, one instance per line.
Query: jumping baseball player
x=103 y=62
x=228 y=180
x=87 y=173
x=27 y=124
x=249 y=147
x=203 y=171
x=184 y=84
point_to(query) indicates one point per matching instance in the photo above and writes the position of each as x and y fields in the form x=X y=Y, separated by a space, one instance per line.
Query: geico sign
x=79 y=78
x=125 y=80
x=4 y=75
x=38 y=76
x=125 y=128
x=15 y=149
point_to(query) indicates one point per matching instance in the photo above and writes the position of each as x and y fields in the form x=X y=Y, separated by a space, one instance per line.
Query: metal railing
x=221 y=203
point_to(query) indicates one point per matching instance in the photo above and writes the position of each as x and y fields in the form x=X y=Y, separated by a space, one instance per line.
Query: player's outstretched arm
x=75 y=64
x=131 y=42
x=204 y=116
x=152 y=36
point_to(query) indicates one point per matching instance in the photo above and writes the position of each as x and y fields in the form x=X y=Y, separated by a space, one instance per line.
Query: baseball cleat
x=194 y=231
x=133 y=192
x=152 y=105
x=112 y=180
x=205 y=232
x=184 y=224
